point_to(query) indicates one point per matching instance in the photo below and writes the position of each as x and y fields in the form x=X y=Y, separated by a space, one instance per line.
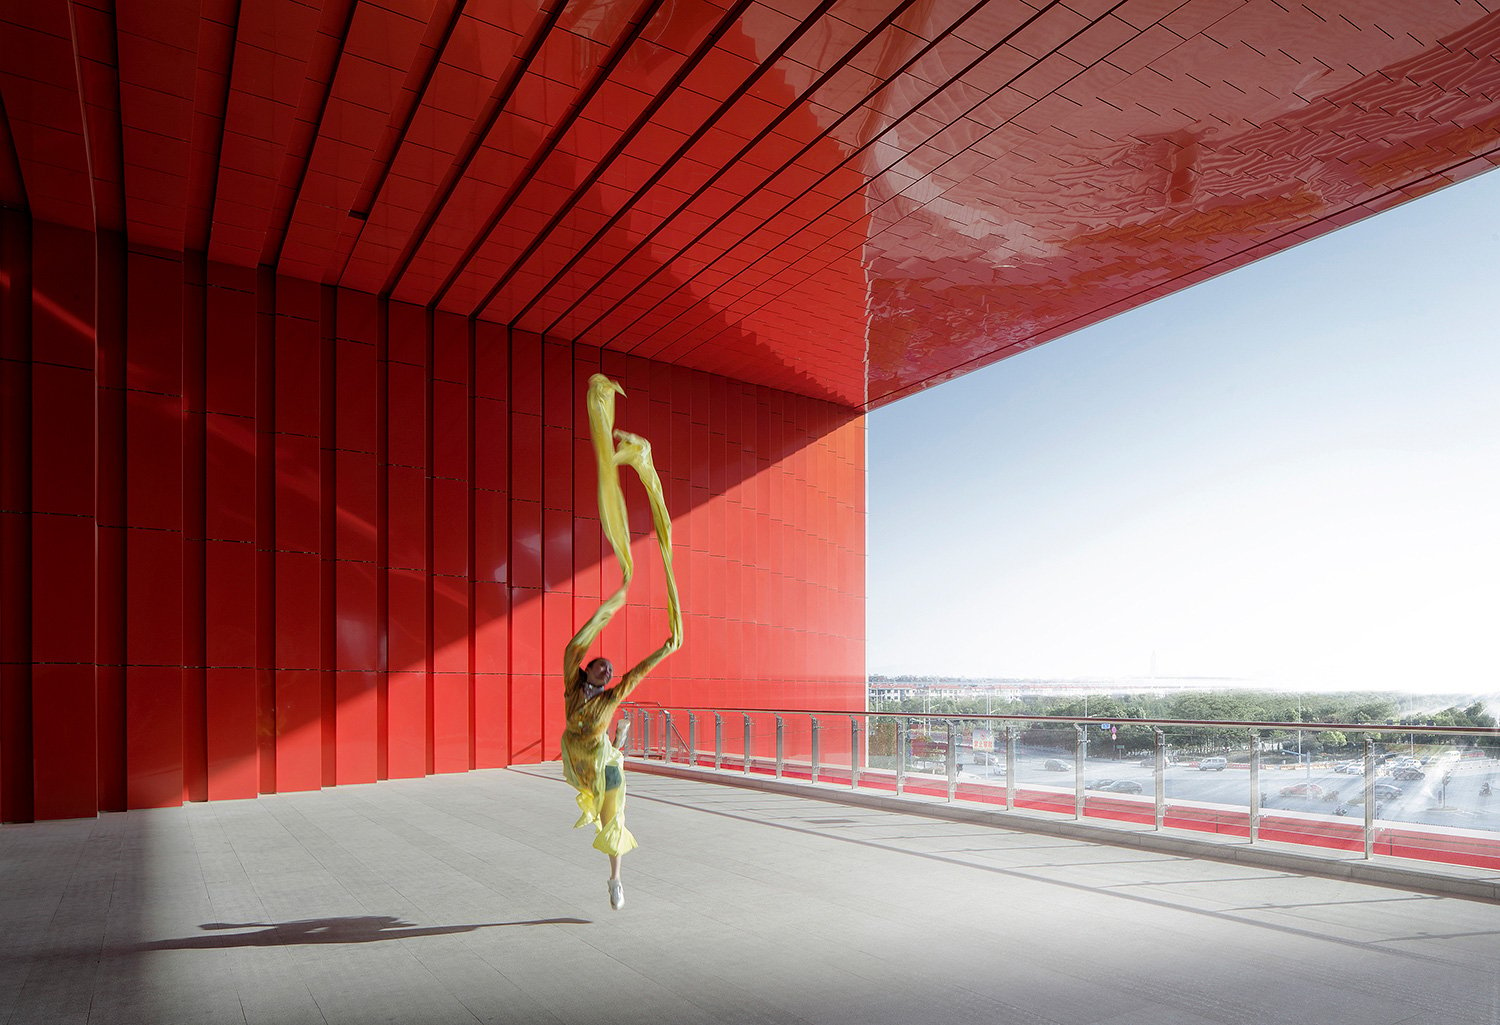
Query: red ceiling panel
x=841 y=198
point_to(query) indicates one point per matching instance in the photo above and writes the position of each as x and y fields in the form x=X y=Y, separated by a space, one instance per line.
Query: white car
x=1216 y=764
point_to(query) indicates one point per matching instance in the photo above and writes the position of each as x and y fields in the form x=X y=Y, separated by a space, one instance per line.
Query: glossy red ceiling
x=851 y=200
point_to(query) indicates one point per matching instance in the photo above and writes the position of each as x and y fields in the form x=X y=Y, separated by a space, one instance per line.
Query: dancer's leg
x=608 y=809
x=607 y=812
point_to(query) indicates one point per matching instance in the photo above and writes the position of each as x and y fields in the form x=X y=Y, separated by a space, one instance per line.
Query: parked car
x=1350 y=768
x=1098 y=784
x=1408 y=772
x=1216 y=763
x=1121 y=786
x=1057 y=765
x=1302 y=790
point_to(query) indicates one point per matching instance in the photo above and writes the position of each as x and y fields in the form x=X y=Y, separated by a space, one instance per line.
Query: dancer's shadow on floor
x=356 y=929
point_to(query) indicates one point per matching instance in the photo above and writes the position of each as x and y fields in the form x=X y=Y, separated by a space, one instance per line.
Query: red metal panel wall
x=289 y=536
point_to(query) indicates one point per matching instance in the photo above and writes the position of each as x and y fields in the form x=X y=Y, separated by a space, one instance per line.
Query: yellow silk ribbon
x=634 y=451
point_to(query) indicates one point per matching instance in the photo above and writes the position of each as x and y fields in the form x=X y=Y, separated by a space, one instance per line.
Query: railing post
x=692 y=752
x=853 y=752
x=1369 y=798
x=645 y=734
x=746 y=766
x=1010 y=767
x=780 y=749
x=815 y=727
x=952 y=760
x=1159 y=774
x=718 y=741
x=901 y=731
x=1079 y=756
x=666 y=736
x=1254 y=785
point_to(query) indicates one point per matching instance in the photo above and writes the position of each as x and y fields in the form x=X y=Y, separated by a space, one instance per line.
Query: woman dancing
x=591 y=763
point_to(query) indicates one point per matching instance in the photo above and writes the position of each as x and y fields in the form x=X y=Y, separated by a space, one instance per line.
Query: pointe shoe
x=616 y=893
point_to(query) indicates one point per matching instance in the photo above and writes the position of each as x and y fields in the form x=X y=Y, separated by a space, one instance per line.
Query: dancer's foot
x=622 y=733
x=616 y=894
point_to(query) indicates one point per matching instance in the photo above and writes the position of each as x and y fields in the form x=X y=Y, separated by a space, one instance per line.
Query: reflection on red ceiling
x=849 y=200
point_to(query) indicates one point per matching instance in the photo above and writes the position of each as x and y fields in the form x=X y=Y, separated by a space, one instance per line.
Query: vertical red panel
x=299 y=696
x=357 y=658
x=379 y=312
x=526 y=373
x=230 y=653
x=193 y=405
x=526 y=669
x=64 y=774
x=407 y=712
x=153 y=677
x=491 y=674
x=490 y=567
x=62 y=709
x=525 y=543
x=451 y=705
x=299 y=729
x=558 y=396
x=491 y=536
x=62 y=590
x=407 y=532
x=16 y=790
x=62 y=275
x=357 y=532
x=299 y=539
x=452 y=699
x=154 y=540
x=557 y=629
x=407 y=686
x=265 y=529
x=328 y=625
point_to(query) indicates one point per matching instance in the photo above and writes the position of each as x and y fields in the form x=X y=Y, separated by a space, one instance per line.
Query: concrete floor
x=467 y=898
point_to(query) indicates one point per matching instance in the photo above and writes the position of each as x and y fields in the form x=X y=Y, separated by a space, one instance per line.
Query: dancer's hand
x=631 y=449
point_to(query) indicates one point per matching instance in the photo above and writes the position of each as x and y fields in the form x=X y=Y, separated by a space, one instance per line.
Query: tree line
x=1352 y=708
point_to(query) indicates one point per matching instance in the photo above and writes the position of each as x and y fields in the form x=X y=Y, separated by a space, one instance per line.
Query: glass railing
x=1428 y=793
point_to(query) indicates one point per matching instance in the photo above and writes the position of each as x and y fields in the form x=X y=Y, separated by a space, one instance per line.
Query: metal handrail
x=859 y=764
x=1229 y=724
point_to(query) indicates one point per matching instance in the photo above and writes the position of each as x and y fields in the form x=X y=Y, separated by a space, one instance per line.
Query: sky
x=1288 y=476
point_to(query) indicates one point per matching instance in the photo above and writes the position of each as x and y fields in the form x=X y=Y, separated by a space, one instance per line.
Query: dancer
x=591 y=763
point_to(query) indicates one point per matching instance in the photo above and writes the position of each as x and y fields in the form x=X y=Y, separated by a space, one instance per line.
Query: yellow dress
x=587 y=760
